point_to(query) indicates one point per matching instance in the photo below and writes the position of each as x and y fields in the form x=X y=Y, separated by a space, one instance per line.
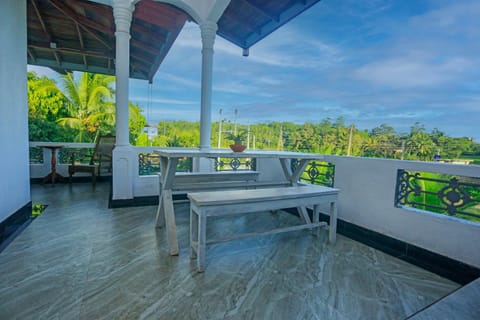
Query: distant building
x=151 y=131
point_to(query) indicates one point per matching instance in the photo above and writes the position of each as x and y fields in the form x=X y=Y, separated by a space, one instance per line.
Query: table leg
x=294 y=177
x=53 y=175
x=302 y=211
x=168 y=169
x=171 y=227
x=160 y=218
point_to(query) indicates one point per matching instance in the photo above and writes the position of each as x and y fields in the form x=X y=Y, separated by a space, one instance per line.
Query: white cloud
x=408 y=72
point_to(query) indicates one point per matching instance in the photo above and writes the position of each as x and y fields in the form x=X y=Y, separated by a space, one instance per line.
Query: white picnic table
x=168 y=163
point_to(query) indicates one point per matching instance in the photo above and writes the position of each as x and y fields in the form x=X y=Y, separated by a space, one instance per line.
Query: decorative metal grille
x=235 y=164
x=317 y=172
x=445 y=194
x=149 y=164
x=81 y=155
x=36 y=155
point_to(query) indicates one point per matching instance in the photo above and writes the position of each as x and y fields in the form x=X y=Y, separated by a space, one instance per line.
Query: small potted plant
x=237 y=139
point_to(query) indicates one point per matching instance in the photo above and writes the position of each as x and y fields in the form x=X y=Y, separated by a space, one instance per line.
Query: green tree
x=386 y=139
x=136 y=123
x=419 y=144
x=45 y=106
x=89 y=103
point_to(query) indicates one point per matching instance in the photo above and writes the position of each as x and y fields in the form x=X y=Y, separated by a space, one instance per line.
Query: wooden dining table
x=53 y=175
x=168 y=164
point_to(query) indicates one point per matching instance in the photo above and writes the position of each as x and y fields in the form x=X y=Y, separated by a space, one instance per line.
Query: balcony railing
x=149 y=164
x=440 y=193
x=82 y=152
x=317 y=172
x=235 y=164
x=36 y=155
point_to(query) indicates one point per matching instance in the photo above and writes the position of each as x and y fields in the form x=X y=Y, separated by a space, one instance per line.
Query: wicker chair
x=100 y=161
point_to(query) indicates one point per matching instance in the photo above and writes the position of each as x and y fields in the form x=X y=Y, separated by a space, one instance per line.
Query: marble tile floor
x=81 y=260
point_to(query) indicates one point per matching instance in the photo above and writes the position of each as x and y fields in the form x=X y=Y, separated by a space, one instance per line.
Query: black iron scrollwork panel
x=317 y=172
x=235 y=164
x=452 y=195
x=79 y=155
x=149 y=164
x=36 y=155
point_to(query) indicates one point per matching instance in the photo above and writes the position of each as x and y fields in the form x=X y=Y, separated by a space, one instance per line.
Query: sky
x=371 y=62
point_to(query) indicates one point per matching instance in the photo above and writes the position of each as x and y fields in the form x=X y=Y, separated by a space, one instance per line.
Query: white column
x=208 y=30
x=124 y=156
x=122 y=12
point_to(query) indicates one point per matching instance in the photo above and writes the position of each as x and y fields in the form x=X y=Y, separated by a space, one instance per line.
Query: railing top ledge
x=65 y=144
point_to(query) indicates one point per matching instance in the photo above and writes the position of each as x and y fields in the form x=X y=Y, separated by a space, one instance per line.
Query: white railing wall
x=367 y=191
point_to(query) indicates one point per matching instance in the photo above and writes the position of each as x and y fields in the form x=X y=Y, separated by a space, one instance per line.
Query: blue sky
x=369 y=61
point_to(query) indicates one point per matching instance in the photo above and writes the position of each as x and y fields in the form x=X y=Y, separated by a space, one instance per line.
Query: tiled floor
x=81 y=260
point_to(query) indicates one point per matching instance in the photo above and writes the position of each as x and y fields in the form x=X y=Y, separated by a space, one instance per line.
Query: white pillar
x=208 y=30
x=122 y=12
x=123 y=155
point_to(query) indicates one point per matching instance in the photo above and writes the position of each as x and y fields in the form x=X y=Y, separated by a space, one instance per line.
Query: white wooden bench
x=230 y=202
x=185 y=182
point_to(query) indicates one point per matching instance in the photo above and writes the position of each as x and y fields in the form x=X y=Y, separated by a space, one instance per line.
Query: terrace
x=80 y=259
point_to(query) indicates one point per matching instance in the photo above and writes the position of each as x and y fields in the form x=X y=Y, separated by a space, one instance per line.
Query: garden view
x=81 y=107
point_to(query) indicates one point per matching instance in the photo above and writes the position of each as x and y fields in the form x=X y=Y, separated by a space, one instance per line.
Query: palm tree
x=90 y=108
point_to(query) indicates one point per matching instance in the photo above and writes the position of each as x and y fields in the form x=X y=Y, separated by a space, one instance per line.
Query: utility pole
x=350 y=140
x=254 y=147
x=403 y=149
x=248 y=137
x=220 y=121
x=280 y=139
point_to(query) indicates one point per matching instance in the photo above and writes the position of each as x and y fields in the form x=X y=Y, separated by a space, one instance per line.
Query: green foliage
x=89 y=104
x=37 y=209
x=85 y=108
x=45 y=106
x=237 y=138
x=79 y=112
x=136 y=122
x=327 y=137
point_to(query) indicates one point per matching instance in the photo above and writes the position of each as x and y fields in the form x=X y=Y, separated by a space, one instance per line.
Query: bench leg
x=202 y=241
x=333 y=223
x=316 y=219
x=193 y=233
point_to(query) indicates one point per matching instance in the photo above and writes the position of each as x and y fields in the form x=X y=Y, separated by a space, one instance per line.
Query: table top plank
x=227 y=153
